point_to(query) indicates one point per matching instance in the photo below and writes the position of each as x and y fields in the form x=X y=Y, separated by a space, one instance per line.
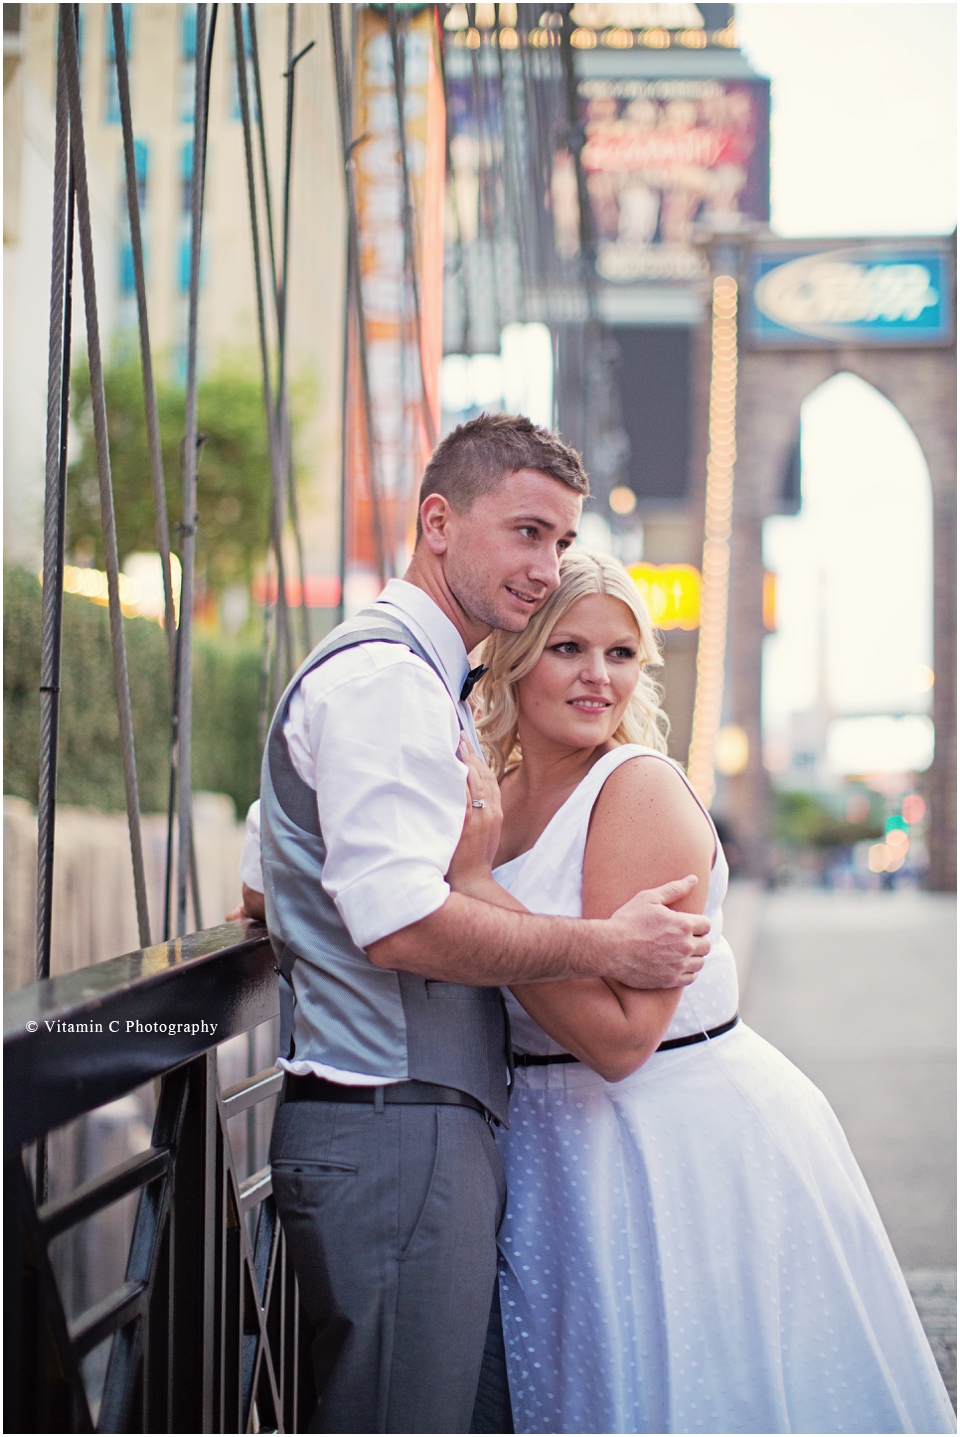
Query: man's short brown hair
x=476 y=457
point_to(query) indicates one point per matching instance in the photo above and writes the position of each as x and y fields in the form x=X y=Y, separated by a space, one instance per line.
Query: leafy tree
x=801 y=820
x=234 y=470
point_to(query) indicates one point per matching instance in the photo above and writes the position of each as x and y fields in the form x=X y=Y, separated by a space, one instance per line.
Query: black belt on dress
x=309 y=1089
x=540 y=1060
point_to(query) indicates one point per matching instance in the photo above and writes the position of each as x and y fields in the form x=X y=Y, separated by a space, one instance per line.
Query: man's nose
x=545 y=569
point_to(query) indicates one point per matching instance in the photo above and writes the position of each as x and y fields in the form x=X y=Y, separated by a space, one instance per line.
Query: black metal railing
x=204 y=1331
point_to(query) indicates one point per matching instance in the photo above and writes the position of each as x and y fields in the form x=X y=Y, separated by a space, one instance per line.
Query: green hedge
x=226 y=688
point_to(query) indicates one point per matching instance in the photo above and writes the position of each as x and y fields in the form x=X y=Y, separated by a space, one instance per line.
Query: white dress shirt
x=374 y=732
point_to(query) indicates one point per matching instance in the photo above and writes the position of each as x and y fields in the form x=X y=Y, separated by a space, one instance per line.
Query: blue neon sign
x=862 y=294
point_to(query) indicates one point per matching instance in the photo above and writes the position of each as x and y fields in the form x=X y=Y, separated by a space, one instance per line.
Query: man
x=385 y=1171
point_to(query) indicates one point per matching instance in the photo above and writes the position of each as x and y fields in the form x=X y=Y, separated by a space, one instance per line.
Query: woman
x=689 y=1244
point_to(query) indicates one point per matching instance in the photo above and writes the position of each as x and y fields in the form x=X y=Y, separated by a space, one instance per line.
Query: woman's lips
x=590 y=706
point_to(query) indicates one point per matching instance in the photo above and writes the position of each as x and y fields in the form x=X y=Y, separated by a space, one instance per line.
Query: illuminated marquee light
x=671 y=593
x=614 y=37
x=769 y=602
x=134 y=602
x=716 y=542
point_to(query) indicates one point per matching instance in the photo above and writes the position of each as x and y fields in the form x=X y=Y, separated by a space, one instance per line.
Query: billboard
x=662 y=157
x=812 y=294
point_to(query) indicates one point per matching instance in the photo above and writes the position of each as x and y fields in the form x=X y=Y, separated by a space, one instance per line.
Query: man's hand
x=661 y=948
x=252 y=907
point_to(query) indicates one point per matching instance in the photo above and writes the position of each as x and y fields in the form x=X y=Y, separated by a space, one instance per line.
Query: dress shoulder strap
x=626 y=751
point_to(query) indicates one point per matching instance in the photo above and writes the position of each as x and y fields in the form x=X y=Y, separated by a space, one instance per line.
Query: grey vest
x=337 y=1008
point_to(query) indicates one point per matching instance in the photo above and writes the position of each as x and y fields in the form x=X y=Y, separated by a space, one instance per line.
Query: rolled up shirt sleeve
x=251 y=872
x=391 y=792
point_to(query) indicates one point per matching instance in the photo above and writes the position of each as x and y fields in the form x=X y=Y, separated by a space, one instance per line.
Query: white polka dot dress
x=693 y=1249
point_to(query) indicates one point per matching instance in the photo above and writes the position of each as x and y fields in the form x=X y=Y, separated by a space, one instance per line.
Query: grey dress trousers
x=390 y=1214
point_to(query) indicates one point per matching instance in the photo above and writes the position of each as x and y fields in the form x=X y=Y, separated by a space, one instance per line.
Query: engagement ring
x=478 y=803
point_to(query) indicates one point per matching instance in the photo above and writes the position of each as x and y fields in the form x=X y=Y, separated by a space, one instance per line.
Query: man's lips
x=522 y=597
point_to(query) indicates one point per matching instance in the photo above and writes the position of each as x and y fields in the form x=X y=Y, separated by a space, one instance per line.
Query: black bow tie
x=473 y=678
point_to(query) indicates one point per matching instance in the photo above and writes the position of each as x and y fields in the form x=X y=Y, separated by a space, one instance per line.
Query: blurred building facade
x=668 y=145
x=606 y=164
x=161 y=41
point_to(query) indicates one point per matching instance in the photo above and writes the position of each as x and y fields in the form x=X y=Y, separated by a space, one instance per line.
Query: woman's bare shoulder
x=648 y=780
x=646 y=829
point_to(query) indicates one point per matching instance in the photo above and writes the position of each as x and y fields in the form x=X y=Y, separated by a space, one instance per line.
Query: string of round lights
x=715 y=568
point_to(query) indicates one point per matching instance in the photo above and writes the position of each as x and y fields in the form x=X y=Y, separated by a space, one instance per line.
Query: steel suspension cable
x=398 y=50
x=146 y=357
x=408 y=428
x=58 y=371
x=54 y=528
x=153 y=427
x=207 y=67
x=575 y=142
x=511 y=177
x=283 y=407
x=345 y=100
x=107 y=518
x=262 y=136
x=455 y=200
x=276 y=472
x=263 y=702
x=188 y=528
x=353 y=272
x=269 y=608
x=486 y=206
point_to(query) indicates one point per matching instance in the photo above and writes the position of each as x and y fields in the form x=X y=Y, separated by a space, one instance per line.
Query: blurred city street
x=262 y=279
x=858 y=989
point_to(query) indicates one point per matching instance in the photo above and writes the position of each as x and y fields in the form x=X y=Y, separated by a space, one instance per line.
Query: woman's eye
x=568 y=647
x=623 y=653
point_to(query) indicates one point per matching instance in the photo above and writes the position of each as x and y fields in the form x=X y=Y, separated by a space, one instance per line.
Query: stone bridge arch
x=921 y=384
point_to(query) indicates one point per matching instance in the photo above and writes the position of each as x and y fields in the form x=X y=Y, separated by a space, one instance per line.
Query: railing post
x=43 y=1391
x=193 y=1330
x=195 y=1340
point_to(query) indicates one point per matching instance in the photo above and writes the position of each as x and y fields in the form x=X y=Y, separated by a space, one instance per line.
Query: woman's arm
x=646 y=827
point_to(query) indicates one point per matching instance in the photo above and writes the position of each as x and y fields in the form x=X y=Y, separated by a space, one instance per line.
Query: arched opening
x=847 y=676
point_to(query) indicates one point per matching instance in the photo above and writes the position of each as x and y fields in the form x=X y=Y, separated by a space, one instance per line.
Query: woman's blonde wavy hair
x=510 y=657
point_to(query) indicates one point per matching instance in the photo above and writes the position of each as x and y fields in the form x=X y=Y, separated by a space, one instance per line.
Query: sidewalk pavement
x=859 y=990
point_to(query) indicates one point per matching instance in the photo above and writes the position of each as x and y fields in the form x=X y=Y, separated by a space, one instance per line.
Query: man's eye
x=528 y=532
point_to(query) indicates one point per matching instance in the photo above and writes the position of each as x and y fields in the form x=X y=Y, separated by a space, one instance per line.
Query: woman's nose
x=594 y=669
